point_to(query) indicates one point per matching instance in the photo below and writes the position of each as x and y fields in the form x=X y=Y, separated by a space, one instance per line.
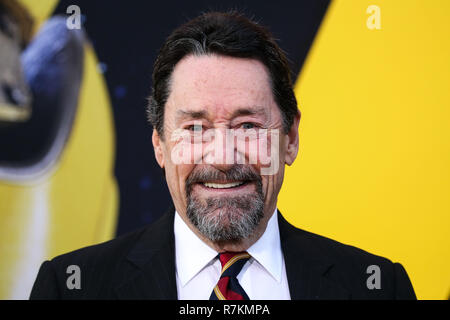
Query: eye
x=195 y=128
x=248 y=125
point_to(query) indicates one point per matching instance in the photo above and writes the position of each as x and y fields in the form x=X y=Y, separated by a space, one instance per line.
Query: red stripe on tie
x=226 y=292
x=232 y=263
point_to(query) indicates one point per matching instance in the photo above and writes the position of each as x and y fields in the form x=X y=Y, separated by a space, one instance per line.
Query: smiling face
x=227 y=100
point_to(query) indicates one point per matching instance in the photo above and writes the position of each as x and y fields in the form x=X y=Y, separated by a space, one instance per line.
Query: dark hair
x=228 y=34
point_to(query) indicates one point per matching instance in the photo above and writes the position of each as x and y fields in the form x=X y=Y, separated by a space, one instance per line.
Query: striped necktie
x=228 y=287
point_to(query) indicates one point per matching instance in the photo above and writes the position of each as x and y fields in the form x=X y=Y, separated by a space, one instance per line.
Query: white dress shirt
x=263 y=277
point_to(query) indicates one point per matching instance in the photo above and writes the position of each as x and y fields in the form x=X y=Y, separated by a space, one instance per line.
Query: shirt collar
x=266 y=250
x=191 y=253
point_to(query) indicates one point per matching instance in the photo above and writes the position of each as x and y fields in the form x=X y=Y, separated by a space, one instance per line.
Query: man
x=222 y=100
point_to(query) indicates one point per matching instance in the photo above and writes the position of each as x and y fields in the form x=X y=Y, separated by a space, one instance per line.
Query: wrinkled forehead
x=219 y=85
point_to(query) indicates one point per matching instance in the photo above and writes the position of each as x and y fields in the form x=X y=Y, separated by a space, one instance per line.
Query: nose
x=220 y=152
x=222 y=167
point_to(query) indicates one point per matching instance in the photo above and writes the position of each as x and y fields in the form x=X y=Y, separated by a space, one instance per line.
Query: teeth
x=222 y=185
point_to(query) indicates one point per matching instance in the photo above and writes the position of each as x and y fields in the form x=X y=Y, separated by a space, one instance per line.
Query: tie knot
x=232 y=263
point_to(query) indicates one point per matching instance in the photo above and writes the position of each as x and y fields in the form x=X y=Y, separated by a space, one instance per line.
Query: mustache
x=234 y=173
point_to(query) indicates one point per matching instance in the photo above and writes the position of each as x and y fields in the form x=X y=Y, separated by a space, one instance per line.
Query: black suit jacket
x=141 y=265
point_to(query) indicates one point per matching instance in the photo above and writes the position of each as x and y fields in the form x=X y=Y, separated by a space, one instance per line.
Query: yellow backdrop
x=72 y=205
x=374 y=165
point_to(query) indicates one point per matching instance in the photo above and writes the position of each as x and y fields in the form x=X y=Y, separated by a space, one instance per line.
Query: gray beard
x=227 y=220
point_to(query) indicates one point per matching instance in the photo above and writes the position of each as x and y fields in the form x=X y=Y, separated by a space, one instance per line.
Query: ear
x=157 y=147
x=292 y=141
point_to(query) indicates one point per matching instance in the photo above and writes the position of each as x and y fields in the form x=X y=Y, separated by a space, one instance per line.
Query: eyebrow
x=191 y=114
x=248 y=112
x=203 y=114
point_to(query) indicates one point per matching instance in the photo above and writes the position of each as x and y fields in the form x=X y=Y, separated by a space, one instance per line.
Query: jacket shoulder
x=116 y=249
x=101 y=267
x=363 y=274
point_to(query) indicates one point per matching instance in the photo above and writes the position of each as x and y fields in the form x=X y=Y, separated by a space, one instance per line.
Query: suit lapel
x=153 y=264
x=306 y=268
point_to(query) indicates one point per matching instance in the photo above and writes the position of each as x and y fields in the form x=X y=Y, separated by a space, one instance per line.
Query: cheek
x=272 y=185
x=176 y=173
x=267 y=151
x=273 y=179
